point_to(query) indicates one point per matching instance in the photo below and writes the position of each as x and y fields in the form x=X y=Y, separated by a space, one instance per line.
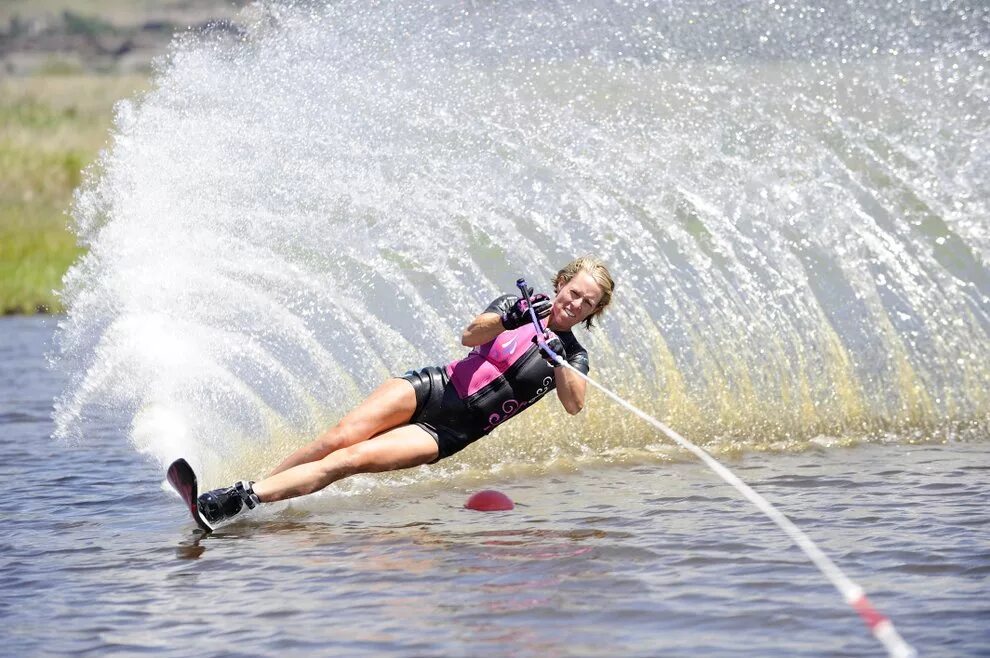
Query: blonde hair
x=596 y=268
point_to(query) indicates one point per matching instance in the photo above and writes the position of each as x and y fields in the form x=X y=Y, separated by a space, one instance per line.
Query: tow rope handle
x=540 y=340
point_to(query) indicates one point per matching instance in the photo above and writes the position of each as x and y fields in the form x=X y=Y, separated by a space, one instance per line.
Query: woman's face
x=575 y=301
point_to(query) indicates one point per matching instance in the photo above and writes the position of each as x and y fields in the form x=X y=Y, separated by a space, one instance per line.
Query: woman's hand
x=556 y=346
x=518 y=315
x=570 y=386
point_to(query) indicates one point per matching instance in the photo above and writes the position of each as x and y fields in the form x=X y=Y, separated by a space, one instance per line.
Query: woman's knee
x=349 y=460
x=373 y=456
x=368 y=457
x=341 y=435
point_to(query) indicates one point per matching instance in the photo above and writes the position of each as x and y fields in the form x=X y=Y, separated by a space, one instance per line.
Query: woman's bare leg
x=401 y=447
x=390 y=405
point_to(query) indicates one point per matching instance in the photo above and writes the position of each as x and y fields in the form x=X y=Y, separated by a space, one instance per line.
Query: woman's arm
x=482 y=329
x=506 y=312
x=570 y=389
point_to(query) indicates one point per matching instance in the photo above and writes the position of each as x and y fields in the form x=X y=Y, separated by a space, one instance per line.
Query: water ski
x=183 y=479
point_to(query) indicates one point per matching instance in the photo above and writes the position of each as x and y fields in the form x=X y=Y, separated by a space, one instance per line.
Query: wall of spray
x=793 y=200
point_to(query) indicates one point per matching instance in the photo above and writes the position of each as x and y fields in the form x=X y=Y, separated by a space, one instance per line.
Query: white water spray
x=793 y=200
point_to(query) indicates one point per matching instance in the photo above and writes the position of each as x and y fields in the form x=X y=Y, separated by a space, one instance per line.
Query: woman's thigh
x=400 y=447
x=390 y=405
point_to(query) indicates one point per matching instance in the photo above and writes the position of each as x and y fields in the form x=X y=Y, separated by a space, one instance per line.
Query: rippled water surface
x=637 y=559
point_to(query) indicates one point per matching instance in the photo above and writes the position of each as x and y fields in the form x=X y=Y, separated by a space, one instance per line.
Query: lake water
x=636 y=558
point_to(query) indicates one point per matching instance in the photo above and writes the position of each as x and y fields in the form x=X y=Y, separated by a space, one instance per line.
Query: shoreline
x=51 y=128
x=63 y=65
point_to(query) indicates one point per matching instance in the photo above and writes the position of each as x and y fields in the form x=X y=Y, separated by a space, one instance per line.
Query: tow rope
x=880 y=625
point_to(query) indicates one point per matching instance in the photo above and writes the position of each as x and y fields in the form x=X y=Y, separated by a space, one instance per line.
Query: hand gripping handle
x=540 y=340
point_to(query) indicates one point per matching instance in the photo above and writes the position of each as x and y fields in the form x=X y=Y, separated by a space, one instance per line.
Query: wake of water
x=793 y=201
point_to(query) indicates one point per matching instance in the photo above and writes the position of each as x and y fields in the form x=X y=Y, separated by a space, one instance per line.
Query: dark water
x=642 y=559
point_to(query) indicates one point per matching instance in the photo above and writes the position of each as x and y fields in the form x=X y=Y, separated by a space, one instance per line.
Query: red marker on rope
x=881 y=626
x=869 y=614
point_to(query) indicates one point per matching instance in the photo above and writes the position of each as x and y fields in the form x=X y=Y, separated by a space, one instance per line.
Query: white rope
x=881 y=627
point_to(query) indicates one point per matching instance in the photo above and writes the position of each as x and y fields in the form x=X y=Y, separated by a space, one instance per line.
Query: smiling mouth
x=568 y=313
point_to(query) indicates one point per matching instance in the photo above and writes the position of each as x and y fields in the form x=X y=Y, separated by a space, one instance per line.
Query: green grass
x=51 y=127
x=100 y=13
x=34 y=255
x=54 y=123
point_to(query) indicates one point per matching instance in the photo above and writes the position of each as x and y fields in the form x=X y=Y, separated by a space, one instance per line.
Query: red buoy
x=489 y=501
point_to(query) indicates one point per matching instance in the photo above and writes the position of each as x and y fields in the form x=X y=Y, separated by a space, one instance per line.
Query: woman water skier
x=429 y=414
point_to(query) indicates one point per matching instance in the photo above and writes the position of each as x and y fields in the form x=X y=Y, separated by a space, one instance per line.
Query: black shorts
x=441 y=412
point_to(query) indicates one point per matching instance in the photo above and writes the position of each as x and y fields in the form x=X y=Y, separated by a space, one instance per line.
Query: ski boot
x=224 y=504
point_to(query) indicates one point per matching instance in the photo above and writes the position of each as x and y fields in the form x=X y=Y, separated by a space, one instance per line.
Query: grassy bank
x=51 y=127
